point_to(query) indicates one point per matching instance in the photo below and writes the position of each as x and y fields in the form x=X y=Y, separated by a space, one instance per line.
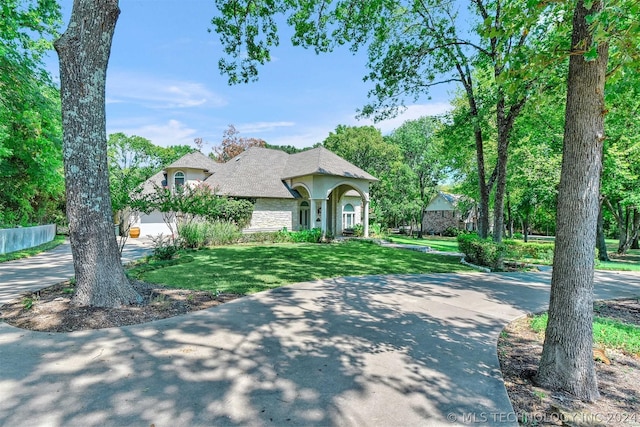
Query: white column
x=323 y=217
x=365 y=207
x=313 y=213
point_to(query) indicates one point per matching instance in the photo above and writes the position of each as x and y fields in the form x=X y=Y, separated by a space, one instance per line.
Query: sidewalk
x=51 y=267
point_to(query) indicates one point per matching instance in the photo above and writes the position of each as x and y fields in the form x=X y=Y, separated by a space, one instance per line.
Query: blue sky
x=163 y=83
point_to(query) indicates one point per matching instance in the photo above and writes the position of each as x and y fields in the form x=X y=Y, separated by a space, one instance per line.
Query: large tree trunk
x=567 y=358
x=84 y=51
x=501 y=168
x=601 y=244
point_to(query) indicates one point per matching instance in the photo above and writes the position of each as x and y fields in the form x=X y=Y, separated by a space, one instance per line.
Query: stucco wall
x=16 y=239
x=274 y=215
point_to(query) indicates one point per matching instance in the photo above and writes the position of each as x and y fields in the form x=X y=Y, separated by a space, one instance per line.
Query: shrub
x=163 y=247
x=281 y=236
x=196 y=235
x=451 y=232
x=521 y=250
x=358 y=230
x=309 y=236
x=484 y=252
x=193 y=234
x=375 y=230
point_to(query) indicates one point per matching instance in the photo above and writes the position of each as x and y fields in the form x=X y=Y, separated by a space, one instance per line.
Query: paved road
x=416 y=350
x=49 y=268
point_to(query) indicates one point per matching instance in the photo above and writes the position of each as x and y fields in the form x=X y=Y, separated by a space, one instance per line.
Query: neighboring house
x=445 y=210
x=312 y=189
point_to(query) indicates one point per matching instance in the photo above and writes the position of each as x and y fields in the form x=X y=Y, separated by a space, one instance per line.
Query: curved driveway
x=415 y=350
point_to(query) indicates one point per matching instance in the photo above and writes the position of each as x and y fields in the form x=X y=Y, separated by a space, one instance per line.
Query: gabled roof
x=157 y=180
x=195 y=160
x=262 y=172
x=256 y=172
x=320 y=161
x=451 y=199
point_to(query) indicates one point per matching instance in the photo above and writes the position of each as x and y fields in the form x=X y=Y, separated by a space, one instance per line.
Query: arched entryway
x=347 y=207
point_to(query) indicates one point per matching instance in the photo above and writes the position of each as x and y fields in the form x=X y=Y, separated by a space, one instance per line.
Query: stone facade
x=274 y=215
x=435 y=222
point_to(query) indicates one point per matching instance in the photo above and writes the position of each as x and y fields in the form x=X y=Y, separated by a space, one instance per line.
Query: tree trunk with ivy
x=84 y=51
x=567 y=356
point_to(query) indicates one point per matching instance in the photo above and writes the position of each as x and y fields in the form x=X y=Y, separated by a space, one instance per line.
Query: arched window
x=178 y=180
x=348 y=216
x=304 y=215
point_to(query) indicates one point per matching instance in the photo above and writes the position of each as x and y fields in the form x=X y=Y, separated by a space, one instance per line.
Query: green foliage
x=30 y=124
x=452 y=232
x=164 y=248
x=199 y=234
x=306 y=236
x=358 y=230
x=420 y=145
x=522 y=251
x=281 y=236
x=196 y=202
x=606 y=332
x=484 y=252
x=27 y=303
x=375 y=230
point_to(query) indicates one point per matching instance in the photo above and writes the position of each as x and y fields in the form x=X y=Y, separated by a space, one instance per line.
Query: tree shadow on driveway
x=365 y=351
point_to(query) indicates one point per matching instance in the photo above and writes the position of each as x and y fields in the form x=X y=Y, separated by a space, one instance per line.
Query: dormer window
x=178 y=180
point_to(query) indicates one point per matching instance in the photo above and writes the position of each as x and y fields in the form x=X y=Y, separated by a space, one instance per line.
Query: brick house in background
x=446 y=210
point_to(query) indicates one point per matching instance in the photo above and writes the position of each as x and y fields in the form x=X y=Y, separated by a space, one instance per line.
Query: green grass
x=246 y=269
x=444 y=244
x=606 y=332
x=58 y=240
x=617 y=265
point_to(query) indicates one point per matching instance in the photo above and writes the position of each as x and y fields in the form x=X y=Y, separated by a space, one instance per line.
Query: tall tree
x=567 y=358
x=84 y=51
x=363 y=146
x=420 y=147
x=30 y=127
x=413 y=46
x=233 y=144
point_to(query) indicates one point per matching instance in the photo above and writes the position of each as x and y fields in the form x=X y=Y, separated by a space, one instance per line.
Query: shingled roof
x=195 y=160
x=156 y=181
x=256 y=172
x=320 y=161
x=261 y=172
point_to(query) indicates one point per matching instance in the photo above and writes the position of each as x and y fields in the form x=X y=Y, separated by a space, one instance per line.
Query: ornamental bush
x=484 y=252
x=306 y=236
x=534 y=250
x=199 y=234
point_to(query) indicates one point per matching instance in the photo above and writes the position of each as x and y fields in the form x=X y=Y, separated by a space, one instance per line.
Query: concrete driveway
x=415 y=350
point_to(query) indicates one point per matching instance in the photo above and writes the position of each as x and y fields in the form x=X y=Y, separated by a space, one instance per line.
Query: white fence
x=15 y=239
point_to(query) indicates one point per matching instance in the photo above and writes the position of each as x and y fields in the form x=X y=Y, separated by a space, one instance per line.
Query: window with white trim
x=348 y=216
x=178 y=180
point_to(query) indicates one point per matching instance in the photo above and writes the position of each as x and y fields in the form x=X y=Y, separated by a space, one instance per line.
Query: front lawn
x=443 y=244
x=246 y=269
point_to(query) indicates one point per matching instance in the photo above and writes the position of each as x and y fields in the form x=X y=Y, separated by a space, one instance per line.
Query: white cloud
x=154 y=92
x=303 y=136
x=412 y=112
x=172 y=132
x=262 y=126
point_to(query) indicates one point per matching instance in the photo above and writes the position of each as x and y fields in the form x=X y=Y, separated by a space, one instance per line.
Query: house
x=448 y=210
x=312 y=189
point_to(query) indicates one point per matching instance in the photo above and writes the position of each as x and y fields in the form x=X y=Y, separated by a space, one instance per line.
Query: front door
x=304 y=215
